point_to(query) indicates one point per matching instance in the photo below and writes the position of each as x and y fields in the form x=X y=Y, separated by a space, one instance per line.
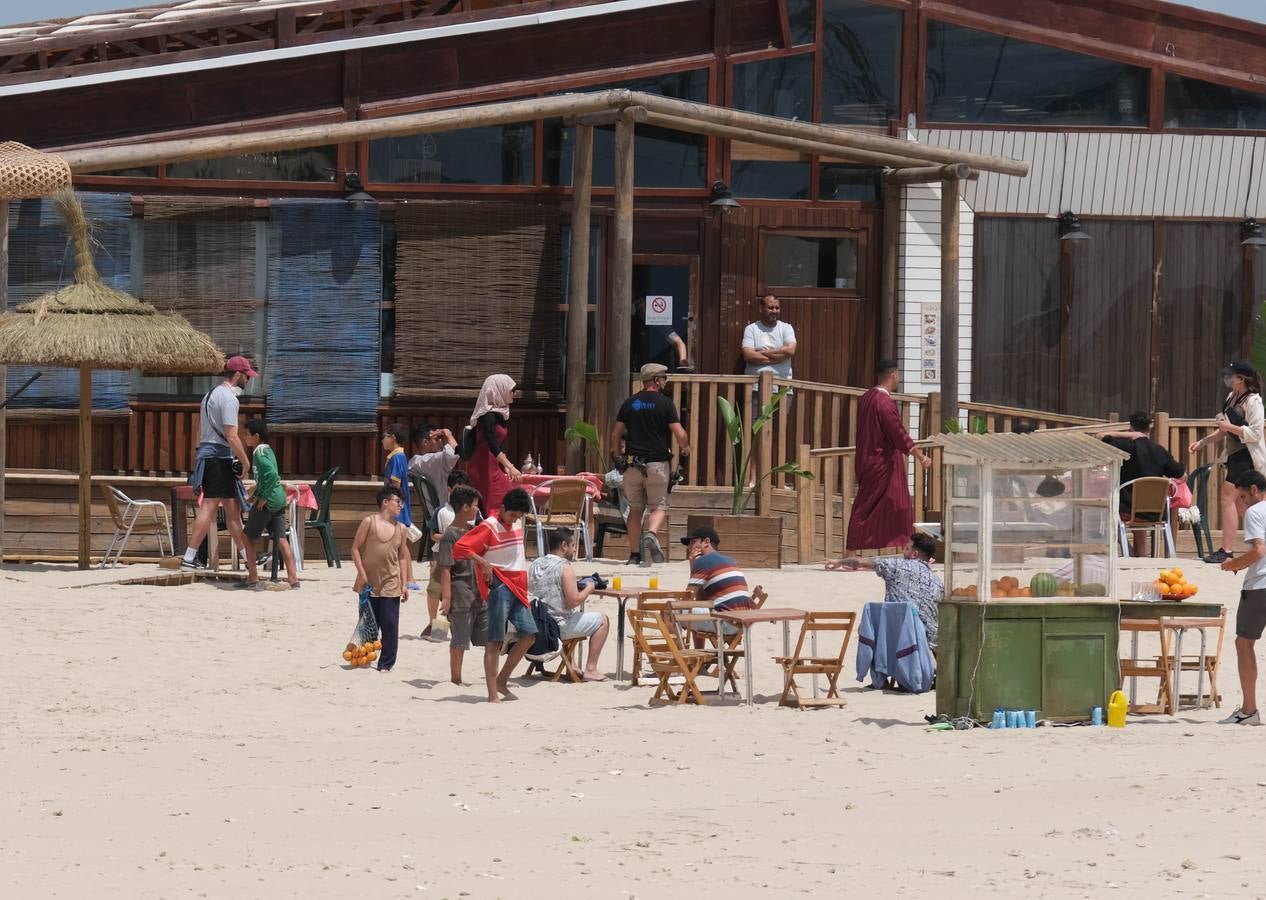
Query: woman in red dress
x=490 y=469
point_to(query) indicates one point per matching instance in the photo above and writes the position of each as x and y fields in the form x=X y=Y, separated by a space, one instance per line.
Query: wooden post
x=765 y=446
x=949 y=298
x=4 y=393
x=621 y=319
x=805 y=492
x=85 y=464
x=578 y=292
x=930 y=174
x=891 y=252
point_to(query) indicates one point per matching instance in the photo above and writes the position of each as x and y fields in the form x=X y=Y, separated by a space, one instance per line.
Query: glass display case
x=1030 y=516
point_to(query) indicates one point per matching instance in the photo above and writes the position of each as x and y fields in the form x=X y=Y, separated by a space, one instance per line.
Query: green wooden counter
x=1056 y=656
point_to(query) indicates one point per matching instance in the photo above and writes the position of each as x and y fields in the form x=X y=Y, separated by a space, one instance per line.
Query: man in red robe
x=883 y=515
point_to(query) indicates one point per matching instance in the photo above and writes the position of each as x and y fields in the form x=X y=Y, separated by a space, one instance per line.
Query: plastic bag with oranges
x=363 y=647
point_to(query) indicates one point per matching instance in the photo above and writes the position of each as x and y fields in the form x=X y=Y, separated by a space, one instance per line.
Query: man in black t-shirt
x=644 y=430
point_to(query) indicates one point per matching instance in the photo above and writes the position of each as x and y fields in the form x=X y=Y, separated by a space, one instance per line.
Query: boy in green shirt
x=267 y=503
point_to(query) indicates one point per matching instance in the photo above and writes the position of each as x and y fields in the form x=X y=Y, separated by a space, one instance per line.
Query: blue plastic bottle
x=999 y=720
x=1030 y=718
x=1096 y=716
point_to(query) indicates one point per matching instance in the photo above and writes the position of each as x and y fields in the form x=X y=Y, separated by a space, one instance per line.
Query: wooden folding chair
x=815 y=623
x=658 y=642
x=1135 y=666
x=657 y=601
x=1192 y=662
x=568 y=657
x=734 y=651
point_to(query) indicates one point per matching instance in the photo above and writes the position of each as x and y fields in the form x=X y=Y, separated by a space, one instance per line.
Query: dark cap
x=1240 y=368
x=700 y=534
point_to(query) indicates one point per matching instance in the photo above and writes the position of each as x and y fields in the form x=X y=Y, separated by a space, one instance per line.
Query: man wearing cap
x=221 y=461
x=716 y=579
x=1148 y=459
x=642 y=444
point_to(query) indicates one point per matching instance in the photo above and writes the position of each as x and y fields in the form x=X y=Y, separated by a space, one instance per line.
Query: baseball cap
x=1239 y=368
x=651 y=370
x=240 y=364
x=700 y=534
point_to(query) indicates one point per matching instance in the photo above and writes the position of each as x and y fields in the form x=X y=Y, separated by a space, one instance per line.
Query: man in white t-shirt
x=1250 y=618
x=769 y=344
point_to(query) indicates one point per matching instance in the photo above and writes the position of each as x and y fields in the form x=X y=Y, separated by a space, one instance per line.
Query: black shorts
x=260 y=518
x=1250 y=618
x=1238 y=464
x=218 y=480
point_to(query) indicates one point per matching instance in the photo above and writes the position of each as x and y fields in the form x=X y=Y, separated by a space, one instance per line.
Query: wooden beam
x=606 y=118
x=799 y=145
x=102 y=159
x=85 y=464
x=843 y=138
x=949 y=298
x=888 y=293
x=620 y=337
x=578 y=292
x=931 y=174
x=4 y=392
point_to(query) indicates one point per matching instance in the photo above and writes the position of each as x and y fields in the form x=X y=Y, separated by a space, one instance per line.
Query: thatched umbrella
x=89 y=325
x=25 y=174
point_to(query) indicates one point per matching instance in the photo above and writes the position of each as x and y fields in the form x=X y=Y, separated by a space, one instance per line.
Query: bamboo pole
x=578 y=292
x=931 y=174
x=4 y=393
x=801 y=145
x=98 y=159
x=891 y=252
x=838 y=137
x=620 y=337
x=765 y=446
x=805 y=491
x=85 y=463
x=949 y=298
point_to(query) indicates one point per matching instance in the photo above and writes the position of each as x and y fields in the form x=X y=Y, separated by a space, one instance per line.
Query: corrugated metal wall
x=1116 y=173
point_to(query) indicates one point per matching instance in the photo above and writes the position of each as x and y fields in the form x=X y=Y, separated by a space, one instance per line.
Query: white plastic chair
x=1150 y=497
x=125 y=520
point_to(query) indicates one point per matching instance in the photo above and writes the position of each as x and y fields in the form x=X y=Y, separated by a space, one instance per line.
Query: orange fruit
x=1026 y=592
x=377 y=645
x=1165 y=589
x=372 y=657
x=347 y=654
x=1194 y=589
x=1177 y=572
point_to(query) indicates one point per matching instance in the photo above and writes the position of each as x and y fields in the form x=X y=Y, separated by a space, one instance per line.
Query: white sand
x=193 y=741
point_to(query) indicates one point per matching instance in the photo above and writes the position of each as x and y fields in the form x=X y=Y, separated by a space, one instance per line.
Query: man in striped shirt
x=495 y=546
x=716 y=579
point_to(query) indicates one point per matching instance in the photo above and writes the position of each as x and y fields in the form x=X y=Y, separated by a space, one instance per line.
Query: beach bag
x=1179 y=495
x=548 y=640
x=366 y=625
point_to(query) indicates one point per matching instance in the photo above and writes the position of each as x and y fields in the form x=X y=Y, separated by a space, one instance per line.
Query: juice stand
x=1031 y=618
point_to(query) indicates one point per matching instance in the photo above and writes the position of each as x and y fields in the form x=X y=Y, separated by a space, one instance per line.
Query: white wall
x=919 y=281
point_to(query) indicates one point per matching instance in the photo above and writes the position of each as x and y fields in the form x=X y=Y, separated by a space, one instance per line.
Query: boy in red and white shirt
x=495 y=545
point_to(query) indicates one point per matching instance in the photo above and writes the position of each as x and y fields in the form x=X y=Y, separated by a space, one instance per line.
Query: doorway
x=664 y=290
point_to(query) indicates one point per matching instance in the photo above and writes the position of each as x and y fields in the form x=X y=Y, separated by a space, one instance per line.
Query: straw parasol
x=89 y=325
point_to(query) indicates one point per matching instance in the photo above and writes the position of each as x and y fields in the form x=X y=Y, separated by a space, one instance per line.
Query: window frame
x=858 y=235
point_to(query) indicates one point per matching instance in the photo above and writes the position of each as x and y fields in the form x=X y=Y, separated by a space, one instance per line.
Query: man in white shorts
x=552 y=581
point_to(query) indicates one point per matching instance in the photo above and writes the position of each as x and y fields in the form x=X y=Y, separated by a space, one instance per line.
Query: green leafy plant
x=584 y=431
x=743 y=441
x=977 y=425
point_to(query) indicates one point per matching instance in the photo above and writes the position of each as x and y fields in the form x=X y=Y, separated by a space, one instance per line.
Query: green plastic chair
x=1198 y=481
x=319 y=518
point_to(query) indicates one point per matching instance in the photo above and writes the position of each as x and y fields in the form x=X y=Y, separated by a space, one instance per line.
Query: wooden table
x=622 y=597
x=1180 y=615
x=746 y=618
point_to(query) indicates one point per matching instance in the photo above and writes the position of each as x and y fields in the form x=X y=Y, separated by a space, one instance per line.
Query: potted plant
x=588 y=434
x=752 y=540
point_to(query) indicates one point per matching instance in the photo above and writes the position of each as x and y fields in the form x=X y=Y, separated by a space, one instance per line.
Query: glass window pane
x=1190 y=103
x=861 y=57
x=311 y=164
x=782 y=86
x=793 y=260
x=977 y=77
x=859 y=183
x=662 y=157
x=141 y=172
x=770 y=180
x=800 y=18
x=497 y=154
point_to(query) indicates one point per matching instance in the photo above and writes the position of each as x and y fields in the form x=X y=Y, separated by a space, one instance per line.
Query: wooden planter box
x=754 y=542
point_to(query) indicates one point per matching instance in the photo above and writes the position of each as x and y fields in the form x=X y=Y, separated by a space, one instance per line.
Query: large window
x=800 y=14
x=496 y=154
x=811 y=261
x=781 y=86
x=770 y=179
x=861 y=56
x=977 y=77
x=663 y=158
x=313 y=164
x=1190 y=103
x=842 y=182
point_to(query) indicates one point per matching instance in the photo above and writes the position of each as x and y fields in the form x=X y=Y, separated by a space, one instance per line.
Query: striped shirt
x=720 y=582
x=502 y=546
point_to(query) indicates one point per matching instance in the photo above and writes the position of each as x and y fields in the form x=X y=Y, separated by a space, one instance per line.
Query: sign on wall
x=930 y=342
x=659 y=309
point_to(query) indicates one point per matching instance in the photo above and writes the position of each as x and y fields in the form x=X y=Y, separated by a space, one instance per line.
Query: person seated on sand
x=552 y=581
x=715 y=578
x=908 y=578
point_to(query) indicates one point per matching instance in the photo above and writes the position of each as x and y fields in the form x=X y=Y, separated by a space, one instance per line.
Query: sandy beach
x=196 y=741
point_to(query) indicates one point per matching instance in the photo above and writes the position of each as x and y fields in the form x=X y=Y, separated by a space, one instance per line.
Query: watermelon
x=1043 y=584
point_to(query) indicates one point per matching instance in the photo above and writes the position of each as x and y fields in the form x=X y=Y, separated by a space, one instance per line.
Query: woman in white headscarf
x=490 y=469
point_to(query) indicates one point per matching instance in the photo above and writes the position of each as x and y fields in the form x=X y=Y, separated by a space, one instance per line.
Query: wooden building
x=1146 y=119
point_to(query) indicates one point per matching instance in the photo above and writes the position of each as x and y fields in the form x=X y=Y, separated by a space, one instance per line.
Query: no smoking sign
x=659 y=309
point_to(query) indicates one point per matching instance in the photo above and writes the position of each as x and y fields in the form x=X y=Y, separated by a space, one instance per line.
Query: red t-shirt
x=502 y=546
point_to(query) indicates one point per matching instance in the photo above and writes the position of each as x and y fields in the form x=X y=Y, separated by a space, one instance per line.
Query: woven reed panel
x=324 y=300
x=199 y=261
x=27 y=173
x=478 y=286
x=41 y=261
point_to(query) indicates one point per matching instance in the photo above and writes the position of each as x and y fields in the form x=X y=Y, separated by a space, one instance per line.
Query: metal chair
x=1149 y=511
x=568 y=508
x=125 y=520
x=319 y=519
x=1198 y=481
x=428 y=502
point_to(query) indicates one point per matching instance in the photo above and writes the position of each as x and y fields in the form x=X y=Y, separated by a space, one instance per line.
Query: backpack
x=466 y=446
x=548 y=640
